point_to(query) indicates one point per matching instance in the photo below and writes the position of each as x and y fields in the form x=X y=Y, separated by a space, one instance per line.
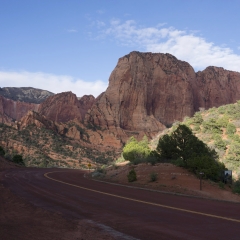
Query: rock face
x=64 y=107
x=34 y=118
x=86 y=103
x=216 y=86
x=145 y=92
x=61 y=107
x=149 y=90
x=25 y=94
x=14 y=110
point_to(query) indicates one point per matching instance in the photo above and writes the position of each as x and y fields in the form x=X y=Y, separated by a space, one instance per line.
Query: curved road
x=130 y=213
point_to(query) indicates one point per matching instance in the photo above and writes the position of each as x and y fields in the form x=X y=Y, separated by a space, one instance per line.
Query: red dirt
x=170 y=179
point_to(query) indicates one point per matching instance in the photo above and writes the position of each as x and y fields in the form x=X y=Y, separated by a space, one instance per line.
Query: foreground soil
x=170 y=179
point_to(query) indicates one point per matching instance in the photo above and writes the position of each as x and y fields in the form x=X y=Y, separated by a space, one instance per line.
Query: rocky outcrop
x=216 y=86
x=25 y=94
x=37 y=120
x=14 y=110
x=148 y=91
x=62 y=107
x=86 y=103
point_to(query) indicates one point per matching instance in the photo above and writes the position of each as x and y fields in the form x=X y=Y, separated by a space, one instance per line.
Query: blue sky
x=73 y=45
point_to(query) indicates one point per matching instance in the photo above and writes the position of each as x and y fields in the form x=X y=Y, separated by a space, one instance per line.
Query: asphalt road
x=129 y=213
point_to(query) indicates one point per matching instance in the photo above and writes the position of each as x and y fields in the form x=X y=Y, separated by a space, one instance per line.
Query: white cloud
x=52 y=83
x=184 y=45
x=72 y=30
x=100 y=23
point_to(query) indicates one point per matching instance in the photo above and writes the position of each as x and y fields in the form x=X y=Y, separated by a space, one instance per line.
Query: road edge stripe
x=144 y=202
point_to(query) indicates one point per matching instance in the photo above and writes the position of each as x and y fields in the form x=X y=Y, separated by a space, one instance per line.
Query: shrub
x=231 y=129
x=132 y=176
x=218 y=142
x=18 y=159
x=152 y=158
x=197 y=118
x=135 y=151
x=2 y=152
x=179 y=162
x=153 y=177
x=236 y=187
x=211 y=168
x=212 y=126
x=221 y=185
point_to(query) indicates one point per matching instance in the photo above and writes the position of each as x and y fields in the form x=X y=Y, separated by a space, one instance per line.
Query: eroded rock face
x=145 y=92
x=86 y=103
x=62 y=107
x=148 y=91
x=216 y=86
x=14 y=110
x=36 y=119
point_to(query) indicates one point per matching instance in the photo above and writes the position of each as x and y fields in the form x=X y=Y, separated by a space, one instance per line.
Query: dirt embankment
x=169 y=179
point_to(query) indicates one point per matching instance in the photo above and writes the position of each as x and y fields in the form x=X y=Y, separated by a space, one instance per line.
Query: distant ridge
x=25 y=94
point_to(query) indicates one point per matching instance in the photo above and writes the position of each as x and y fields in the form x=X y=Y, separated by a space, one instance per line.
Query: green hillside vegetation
x=180 y=147
x=219 y=128
x=184 y=149
x=138 y=151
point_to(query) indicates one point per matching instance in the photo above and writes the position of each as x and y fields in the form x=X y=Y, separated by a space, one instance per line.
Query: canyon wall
x=14 y=110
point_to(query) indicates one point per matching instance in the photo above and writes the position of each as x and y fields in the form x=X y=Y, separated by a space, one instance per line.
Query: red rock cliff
x=14 y=110
x=147 y=90
x=216 y=86
x=61 y=107
x=64 y=107
x=86 y=103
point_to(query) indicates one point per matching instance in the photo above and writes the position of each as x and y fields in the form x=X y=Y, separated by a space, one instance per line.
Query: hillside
x=219 y=128
x=44 y=143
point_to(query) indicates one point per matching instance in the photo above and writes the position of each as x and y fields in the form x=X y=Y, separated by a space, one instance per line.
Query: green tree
x=190 y=152
x=183 y=144
x=135 y=151
x=2 y=152
x=211 y=168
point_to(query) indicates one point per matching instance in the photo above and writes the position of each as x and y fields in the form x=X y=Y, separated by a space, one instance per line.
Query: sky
x=74 y=45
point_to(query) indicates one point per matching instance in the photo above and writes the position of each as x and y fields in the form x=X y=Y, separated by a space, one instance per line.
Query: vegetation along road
x=128 y=213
